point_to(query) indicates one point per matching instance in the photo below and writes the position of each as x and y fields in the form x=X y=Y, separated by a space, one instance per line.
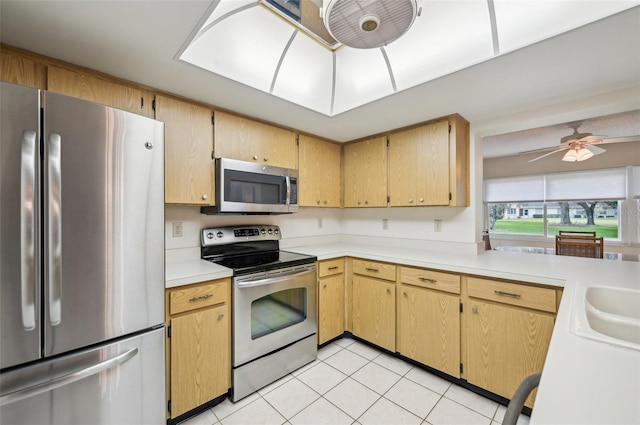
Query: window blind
x=635 y=182
x=521 y=188
x=586 y=185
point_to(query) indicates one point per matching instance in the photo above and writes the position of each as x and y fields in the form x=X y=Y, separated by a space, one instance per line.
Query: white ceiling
x=140 y=40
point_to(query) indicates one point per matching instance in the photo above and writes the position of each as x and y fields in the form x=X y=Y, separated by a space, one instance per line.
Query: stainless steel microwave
x=251 y=188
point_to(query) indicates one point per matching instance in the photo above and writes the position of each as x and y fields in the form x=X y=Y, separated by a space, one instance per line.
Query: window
x=605 y=201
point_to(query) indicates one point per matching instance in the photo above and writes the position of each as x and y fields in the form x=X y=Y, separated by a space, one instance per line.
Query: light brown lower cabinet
x=509 y=328
x=198 y=344
x=429 y=328
x=331 y=294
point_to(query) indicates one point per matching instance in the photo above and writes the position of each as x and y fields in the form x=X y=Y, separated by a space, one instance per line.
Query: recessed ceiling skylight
x=291 y=55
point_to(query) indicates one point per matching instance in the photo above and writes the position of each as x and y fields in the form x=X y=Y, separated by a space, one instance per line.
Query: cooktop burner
x=248 y=249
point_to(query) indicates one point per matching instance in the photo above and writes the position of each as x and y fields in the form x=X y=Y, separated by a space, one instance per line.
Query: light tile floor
x=352 y=383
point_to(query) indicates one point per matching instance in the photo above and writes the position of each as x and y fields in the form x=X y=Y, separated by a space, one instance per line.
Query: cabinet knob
x=220 y=316
x=255 y=157
x=411 y=200
x=318 y=202
x=405 y=293
x=359 y=202
x=324 y=286
x=388 y=291
x=421 y=199
x=366 y=202
x=266 y=158
x=205 y=197
x=325 y=202
x=474 y=310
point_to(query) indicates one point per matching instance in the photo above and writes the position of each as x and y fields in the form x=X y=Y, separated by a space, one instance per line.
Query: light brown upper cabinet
x=428 y=165
x=188 y=135
x=319 y=172
x=365 y=173
x=96 y=89
x=248 y=140
x=21 y=70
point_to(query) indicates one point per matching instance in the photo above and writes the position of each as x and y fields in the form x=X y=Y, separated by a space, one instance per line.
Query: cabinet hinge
x=461 y=368
x=449 y=195
x=213 y=119
x=388 y=143
x=169 y=331
x=297 y=140
x=388 y=199
x=169 y=406
x=141 y=102
x=449 y=128
x=461 y=308
x=153 y=104
x=213 y=155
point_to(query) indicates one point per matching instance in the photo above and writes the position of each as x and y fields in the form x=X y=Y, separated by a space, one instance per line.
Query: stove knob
x=210 y=235
x=219 y=234
x=276 y=231
x=270 y=231
x=263 y=231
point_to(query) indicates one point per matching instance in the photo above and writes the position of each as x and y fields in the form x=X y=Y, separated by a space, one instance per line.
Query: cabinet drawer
x=195 y=297
x=513 y=293
x=375 y=269
x=430 y=279
x=330 y=267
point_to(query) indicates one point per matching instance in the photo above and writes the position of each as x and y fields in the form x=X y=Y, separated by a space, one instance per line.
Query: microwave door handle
x=287 y=179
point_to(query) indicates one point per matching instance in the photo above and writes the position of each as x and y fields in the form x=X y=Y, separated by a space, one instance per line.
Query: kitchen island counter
x=583 y=381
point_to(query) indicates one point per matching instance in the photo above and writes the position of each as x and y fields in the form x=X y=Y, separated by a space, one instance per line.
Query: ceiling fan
x=580 y=146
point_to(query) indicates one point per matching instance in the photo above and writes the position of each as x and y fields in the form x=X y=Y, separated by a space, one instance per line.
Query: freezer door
x=121 y=383
x=19 y=247
x=103 y=210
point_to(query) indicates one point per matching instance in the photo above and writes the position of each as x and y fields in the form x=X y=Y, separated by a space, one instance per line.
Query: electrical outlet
x=319 y=223
x=437 y=225
x=385 y=224
x=177 y=229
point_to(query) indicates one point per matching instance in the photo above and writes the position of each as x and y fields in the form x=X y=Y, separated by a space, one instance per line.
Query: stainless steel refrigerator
x=81 y=262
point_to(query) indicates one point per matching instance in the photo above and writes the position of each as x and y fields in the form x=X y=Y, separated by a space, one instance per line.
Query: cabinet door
x=374 y=312
x=330 y=308
x=320 y=174
x=430 y=328
x=365 y=173
x=505 y=345
x=200 y=358
x=248 y=140
x=188 y=143
x=21 y=70
x=419 y=166
x=96 y=89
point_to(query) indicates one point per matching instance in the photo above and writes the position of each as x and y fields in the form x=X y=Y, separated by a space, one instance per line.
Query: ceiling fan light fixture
x=570 y=156
x=577 y=154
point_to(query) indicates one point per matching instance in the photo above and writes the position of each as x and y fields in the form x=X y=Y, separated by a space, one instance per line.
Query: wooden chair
x=580 y=245
x=575 y=233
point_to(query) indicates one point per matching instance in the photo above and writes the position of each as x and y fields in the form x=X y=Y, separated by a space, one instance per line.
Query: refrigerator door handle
x=27 y=230
x=55 y=229
x=67 y=379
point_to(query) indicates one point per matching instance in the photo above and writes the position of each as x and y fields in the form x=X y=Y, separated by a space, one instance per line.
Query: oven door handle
x=269 y=280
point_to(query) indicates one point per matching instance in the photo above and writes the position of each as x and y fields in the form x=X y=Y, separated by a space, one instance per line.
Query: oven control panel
x=235 y=234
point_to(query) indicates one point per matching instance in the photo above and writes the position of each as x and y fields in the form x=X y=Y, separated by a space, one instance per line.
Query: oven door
x=272 y=310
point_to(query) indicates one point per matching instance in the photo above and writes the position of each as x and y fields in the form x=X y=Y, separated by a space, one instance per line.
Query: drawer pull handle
x=370 y=269
x=507 y=294
x=426 y=279
x=201 y=297
x=334 y=268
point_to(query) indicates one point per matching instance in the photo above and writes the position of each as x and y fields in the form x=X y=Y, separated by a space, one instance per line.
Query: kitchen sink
x=607 y=314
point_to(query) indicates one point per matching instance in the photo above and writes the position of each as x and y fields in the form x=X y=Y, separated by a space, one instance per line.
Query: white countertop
x=583 y=381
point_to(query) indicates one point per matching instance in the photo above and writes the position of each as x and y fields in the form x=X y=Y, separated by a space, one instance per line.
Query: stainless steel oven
x=274 y=304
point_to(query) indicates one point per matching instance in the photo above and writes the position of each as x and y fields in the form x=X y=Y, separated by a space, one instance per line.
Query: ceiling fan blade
x=547 y=154
x=540 y=150
x=623 y=139
x=595 y=149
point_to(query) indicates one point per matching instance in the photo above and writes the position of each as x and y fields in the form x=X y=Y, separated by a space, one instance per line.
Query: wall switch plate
x=385 y=224
x=177 y=229
x=319 y=223
x=437 y=225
